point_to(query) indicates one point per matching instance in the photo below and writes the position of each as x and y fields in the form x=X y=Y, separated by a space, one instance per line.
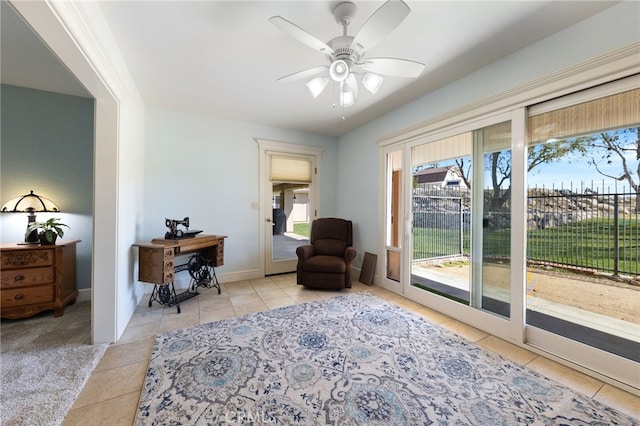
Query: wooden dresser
x=37 y=278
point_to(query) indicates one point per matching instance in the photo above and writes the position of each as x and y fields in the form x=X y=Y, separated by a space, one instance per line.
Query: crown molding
x=614 y=65
x=86 y=26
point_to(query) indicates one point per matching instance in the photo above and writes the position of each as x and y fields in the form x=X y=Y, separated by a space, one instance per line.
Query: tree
x=618 y=146
x=553 y=151
x=499 y=164
x=465 y=170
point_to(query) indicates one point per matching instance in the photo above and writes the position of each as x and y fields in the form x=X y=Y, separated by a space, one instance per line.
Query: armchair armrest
x=304 y=252
x=349 y=254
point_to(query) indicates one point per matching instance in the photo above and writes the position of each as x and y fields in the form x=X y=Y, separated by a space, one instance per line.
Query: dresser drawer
x=26 y=258
x=15 y=278
x=167 y=274
x=26 y=296
x=169 y=253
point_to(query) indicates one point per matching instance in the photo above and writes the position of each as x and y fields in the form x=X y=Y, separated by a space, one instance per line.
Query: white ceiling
x=223 y=57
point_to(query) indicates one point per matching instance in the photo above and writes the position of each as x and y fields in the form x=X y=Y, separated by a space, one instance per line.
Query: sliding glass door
x=526 y=224
x=583 y=228
x=461 y=218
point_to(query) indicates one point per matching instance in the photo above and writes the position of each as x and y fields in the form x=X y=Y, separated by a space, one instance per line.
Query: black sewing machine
x=174 y=233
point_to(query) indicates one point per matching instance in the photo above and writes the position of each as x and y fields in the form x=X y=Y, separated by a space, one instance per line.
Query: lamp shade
x=339 y=70
x=29 y=203
x=347 y=97
x=317 y=85
x=372 y=82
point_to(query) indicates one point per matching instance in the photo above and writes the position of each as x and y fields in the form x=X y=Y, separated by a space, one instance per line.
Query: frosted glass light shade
x=347 y=97
x=339 y=70
x=317 y=85
x=372 y=82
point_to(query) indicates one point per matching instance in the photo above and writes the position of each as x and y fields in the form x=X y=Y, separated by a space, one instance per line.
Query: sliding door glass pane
x=462 y=218
x=496 y=218
x=583 y=237
x=441 y=210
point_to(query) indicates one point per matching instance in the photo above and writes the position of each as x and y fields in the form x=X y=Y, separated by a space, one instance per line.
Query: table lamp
x=30 y=203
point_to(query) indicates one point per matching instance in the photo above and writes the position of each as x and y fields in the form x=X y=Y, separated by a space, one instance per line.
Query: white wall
x=206 y=168
x=358 y=198
x=130 y=212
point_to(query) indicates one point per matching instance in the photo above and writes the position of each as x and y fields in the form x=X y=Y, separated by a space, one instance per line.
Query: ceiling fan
x=347 y=54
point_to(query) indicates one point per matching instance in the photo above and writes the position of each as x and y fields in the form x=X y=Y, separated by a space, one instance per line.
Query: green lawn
x=301 y=229
x=588 y=243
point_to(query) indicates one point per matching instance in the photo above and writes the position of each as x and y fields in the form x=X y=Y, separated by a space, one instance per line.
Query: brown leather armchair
x=326 y=261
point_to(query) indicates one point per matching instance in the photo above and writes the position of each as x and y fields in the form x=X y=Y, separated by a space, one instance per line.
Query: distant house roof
x=432 y=175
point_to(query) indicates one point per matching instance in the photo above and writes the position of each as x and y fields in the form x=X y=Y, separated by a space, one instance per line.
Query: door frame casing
x=267 y=147
x=385 y=189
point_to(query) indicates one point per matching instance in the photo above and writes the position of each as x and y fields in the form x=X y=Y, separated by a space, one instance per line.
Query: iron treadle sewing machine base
x=202 y=273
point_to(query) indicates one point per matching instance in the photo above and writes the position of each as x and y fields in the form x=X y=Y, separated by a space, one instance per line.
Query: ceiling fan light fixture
x=346 y=51
x=339 y=70
x=347 y=97
x=317 y=85
x=372 y=82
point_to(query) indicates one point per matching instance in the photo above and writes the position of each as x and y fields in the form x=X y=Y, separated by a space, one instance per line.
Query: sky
x=574 y=172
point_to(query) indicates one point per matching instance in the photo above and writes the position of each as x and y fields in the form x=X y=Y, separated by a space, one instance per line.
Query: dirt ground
x=595 y=294
x=602 y=295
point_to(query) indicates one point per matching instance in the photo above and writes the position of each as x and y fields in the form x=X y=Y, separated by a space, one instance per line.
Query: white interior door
x=288 y=203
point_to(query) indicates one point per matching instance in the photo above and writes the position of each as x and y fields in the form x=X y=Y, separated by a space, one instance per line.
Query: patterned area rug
x=350 y=360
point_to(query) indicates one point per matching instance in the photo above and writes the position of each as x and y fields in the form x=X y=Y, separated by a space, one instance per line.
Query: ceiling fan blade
x=381 y=24
x=393 y=67
x=301 y=35
x=304 y=73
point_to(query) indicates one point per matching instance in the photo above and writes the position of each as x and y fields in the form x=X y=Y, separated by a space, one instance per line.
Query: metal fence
x=441 y=222
x=587 y=231
x=590 y=231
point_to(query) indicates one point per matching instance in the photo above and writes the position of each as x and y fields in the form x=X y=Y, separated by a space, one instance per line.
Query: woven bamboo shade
x=608 y=113
x=496 y=137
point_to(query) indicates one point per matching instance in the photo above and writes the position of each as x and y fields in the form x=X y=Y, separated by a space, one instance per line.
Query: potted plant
x=48 y=231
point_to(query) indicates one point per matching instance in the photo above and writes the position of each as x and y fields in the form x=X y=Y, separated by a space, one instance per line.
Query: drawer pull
x=19 y=278
x=19 y=296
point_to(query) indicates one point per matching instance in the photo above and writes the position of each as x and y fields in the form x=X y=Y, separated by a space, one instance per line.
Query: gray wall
x=47 y=147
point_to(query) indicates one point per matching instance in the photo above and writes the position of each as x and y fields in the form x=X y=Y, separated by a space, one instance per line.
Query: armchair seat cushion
x=326 y=264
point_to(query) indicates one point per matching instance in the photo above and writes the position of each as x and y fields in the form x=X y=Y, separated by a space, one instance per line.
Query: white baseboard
x=183 y=282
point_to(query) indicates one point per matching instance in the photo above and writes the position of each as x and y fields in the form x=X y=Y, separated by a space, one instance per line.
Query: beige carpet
x=44 y=363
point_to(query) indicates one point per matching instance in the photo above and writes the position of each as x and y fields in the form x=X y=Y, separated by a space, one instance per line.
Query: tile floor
x=110 y=396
